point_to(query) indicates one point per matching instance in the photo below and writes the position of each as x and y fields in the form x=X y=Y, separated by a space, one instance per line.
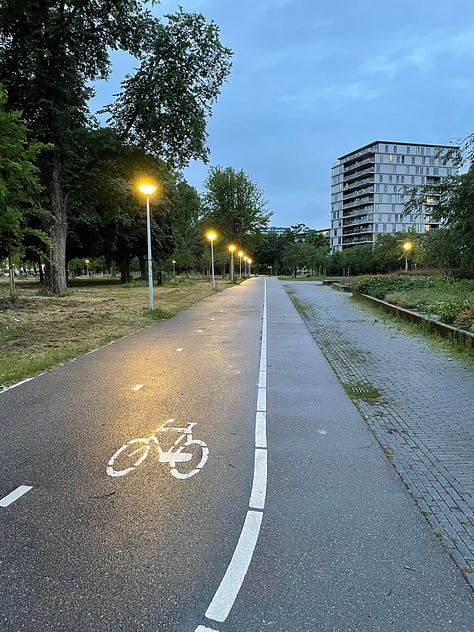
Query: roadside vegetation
x=38 y=332
x=449 y=299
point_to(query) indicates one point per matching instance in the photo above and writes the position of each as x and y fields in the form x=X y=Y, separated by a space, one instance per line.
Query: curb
x=447 y=331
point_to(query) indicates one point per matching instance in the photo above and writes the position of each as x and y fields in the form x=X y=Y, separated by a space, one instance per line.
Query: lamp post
x=407 y=246
x=232 y=249
x=174 y=267
x=249 y=261
x=211 y=235
x=86 y=261
x=245 y=265
x=148 y=189
x=241 y=254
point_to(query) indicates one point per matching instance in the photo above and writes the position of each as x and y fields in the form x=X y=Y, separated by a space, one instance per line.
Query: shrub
x=465 y=318
x=448 y=310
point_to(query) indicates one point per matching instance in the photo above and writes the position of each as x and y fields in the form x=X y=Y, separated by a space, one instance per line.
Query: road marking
x=259 y=486
x=138 y=387
x=14 y=495
x=179 y=349
x=261 y=429
x=232 y=581
x=201 y=628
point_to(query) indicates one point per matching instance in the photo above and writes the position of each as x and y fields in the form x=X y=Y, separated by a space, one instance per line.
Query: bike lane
x=85 y=551
x=342 y=546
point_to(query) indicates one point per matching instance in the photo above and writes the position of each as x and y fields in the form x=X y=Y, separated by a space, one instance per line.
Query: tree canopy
x=51 y=51
x=234 y=205
x=19 y=184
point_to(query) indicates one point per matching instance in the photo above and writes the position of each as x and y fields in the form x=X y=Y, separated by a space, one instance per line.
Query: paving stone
x=424 y=415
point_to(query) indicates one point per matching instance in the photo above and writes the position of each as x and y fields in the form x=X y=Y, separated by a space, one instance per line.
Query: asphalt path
x=339 y=543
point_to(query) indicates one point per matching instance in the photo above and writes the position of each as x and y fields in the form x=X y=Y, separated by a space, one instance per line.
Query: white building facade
x=370 y=186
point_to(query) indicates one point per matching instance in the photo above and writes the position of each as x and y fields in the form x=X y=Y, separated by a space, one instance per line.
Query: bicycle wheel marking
x=183 y=451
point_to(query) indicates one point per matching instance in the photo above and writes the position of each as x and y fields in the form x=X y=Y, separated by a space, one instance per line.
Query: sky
x=313 y=80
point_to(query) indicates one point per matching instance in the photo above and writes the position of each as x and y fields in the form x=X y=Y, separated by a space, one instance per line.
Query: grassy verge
x=38 y=332
x=451 y=300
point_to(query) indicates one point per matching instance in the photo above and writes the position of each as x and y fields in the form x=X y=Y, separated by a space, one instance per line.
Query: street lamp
x=147 y=188
x=245 y=265
x=249 y=261
x=174 y=267
x=232 y=249
x=86 y=261
x=407 y=246
x=211 y=235
x=241 y=254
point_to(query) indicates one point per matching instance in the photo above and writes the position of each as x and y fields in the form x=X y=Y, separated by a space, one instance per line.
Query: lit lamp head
x=232 y=248
x=407 y=246
x=240 y=253
x=147 y=188
x=211 y=235
x=249 y=261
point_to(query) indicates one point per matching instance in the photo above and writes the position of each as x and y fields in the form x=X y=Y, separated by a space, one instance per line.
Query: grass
x=451 y=300
x=39 y=332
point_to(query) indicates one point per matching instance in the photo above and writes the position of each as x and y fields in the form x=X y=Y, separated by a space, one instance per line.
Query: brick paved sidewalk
x=417 y=401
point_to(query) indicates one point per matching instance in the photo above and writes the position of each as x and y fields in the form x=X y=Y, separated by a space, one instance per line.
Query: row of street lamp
x=148 y=189
x=212 y=236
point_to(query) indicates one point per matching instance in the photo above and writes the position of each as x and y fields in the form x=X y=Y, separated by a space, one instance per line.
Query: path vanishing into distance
x=211 y=473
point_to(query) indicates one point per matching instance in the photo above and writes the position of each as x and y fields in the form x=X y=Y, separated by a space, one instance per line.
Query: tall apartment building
x=370 y=186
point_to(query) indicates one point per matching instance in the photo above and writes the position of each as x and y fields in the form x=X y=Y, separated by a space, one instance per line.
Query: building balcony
x=358 y=183
x=358 y=175
x=357 y=207
x=352 y=166
x=357 y=193
x=364 y=229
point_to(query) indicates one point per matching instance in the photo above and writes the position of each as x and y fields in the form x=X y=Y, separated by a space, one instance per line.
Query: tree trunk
x=124 y=270
x=143 y=268
x=55 y=268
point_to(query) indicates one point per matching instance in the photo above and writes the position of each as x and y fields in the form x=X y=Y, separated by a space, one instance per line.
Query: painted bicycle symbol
x=186 y=456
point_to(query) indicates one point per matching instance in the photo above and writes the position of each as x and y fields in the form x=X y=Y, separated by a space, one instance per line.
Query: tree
x=19 y=186
x=234 y=205
x=50 y=51
x=163 y=107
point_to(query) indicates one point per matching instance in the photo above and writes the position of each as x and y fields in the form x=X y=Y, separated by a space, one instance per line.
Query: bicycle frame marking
x=175 y=454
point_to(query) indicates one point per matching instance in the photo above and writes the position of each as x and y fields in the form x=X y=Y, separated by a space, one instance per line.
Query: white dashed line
x=138 y=387
x=259 y=486
x=179 y=349
x=201 y=628
x=14 y=495
x=229 y=587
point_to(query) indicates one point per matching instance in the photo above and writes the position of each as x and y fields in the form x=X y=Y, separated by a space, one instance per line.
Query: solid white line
x=261 y=429
x=9 y=388
x=138 y=387
x=259 y=486
x=232 y=581
x=14 y=495
x=262 y=379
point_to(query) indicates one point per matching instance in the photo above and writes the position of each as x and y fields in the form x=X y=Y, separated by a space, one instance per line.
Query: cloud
x=420 y=52
x=337 y=95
